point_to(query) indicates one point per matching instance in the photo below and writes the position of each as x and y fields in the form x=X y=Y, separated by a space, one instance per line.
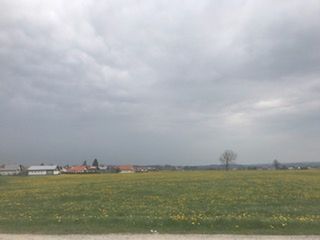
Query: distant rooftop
x=126 y=168
x=42 y=168
x=11 y=167
x=79 y=168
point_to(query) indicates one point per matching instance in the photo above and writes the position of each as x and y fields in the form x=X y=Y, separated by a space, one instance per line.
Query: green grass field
x=245 y=202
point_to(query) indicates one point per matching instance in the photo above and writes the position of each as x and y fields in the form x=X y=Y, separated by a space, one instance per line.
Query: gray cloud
x=149 y=82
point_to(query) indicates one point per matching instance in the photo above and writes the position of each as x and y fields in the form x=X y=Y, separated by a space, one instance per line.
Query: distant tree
x=95 y=163
x=84 y=163
x=228 y=157
x=42 y=164
x=276 y=164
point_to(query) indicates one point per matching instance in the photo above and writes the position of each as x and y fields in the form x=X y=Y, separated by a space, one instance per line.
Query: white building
x=43 y=170
x=10 y=170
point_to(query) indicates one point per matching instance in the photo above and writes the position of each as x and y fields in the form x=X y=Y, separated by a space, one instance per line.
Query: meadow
x=244 y=202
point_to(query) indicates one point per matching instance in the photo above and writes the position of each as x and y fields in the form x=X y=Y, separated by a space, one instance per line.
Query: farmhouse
x=126 y=169
x=10 y=170
x=76 y=169
x=92 y=169
x=43 y=170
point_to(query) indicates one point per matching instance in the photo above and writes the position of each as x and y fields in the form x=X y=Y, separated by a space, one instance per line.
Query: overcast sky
x=159 y=82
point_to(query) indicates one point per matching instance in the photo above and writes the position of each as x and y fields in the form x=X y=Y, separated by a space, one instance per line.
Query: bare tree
x=228 y=157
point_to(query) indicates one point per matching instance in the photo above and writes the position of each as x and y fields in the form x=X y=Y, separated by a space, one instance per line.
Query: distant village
x=42 y=169
x=96 y=168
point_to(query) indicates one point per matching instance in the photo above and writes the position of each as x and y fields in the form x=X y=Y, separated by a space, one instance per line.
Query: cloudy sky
x=159 y=82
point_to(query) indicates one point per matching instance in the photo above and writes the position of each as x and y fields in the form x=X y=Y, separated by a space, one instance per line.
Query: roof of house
x=79 y=168
x=92 y=167
x=126 y=168
x=10 y=167
x=42 y=168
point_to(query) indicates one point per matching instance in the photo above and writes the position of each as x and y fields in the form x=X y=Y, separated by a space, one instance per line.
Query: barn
x=10 y=170
x=43 y=170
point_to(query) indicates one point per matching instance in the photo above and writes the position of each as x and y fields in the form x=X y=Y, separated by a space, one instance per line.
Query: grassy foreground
x=245 y=202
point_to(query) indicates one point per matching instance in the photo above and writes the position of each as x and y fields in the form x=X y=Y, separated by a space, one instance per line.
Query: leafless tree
x=228 y=157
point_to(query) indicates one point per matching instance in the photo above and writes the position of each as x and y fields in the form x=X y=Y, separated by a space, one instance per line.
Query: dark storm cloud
x=159 y=81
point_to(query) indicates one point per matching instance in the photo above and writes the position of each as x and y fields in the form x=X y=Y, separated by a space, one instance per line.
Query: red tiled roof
x=77 y=169
x=126 y=168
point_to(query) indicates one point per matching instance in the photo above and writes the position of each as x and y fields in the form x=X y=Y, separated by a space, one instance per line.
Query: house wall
x=9 y=173
x=43 y=172
x=36 y=173
x=126 y=171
